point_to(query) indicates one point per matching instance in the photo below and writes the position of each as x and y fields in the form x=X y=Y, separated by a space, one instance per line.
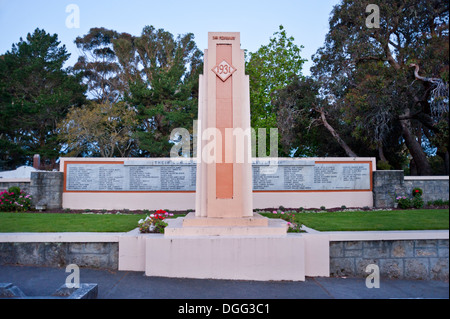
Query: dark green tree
x=166 y=93
x=154 y=73
x=35 y=93
x=389 y=84
x=271 y=68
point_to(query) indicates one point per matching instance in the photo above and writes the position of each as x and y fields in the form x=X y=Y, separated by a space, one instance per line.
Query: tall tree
x=271 y=68
x=35 y=93
x=95 y=129
x=166 y=93
x=154 y=73
x=98 y=65
x=391 y=78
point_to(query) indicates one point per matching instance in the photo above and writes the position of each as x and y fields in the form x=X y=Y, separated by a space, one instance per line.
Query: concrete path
x=42 y=281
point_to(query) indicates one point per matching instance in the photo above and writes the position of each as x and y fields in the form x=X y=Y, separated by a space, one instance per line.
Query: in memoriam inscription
x=181 y=176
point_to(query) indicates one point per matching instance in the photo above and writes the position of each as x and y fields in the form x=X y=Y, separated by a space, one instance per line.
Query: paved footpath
x=43 y=281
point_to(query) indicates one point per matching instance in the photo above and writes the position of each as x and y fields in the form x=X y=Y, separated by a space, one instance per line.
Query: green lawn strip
x=333 y=221
x=36 y=222
x=423 y=219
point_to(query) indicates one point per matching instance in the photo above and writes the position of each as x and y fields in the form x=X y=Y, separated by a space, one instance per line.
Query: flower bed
x=14 y=200
x=154 y=223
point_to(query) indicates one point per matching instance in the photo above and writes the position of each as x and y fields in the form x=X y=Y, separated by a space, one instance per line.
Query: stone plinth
x=223 y=257
x=252 y=226
x=255 y=221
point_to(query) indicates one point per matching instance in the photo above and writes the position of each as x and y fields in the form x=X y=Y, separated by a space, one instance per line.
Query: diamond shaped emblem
x=224 y=70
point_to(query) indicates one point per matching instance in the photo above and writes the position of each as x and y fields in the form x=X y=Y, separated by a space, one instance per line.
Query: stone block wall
x=399 y=259
x=46 y=188
x=93 y=255
x=387 y=185
x=24 y=185
x=433 y=189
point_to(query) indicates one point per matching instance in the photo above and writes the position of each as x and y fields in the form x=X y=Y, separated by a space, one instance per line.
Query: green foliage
x=99 y=130
x=35 y=93
x=167 y=96
x=15 y=200
x=390 y=85
x=417 y=202
x=404 y=202
x=14 y=189
x=154 y=74
x=271 y=68
x=383 y=166
x=417 y=192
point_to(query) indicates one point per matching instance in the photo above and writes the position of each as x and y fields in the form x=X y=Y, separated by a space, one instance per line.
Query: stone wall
x=93 y=255
x=22 y=183
x=387 y=185
x=398 y=259
x=433 y=189
x=46 y=188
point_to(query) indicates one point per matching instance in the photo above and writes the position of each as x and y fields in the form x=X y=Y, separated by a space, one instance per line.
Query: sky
x=256 y=20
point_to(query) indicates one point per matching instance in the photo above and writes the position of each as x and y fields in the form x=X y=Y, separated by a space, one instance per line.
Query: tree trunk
x=381 y=154
x=336 y=136
x=446 y=160
x=415 y=149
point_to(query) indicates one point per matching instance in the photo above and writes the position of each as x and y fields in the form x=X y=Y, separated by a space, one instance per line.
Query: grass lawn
x=421 y=219
x=36 y=222
x=432 y=219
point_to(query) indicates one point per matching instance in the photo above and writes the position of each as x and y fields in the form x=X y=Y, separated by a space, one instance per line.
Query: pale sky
x=256 y=20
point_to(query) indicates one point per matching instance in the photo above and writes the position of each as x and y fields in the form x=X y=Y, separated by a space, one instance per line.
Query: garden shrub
x=14 y=199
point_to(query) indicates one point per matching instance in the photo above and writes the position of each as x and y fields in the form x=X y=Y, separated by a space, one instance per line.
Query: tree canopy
x=383 y=90
x=377 y=91
x=35 y=93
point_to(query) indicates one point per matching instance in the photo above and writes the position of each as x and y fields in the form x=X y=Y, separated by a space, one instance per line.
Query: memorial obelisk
x=223 y=239
x=224 y=187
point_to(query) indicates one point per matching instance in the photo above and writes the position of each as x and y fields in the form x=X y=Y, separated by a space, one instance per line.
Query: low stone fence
x=6 y=183
x=412 y=255
x=60 y=249
x=387 y=185
x=46 y=188
x=397 y=259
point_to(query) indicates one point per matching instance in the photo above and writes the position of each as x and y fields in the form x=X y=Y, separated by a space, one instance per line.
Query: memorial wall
x=164 y=183
x=180 y=176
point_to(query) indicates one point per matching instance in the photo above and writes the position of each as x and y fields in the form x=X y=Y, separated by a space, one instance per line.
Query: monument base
x=223 y=257
x=249 y=226
x=290 y=257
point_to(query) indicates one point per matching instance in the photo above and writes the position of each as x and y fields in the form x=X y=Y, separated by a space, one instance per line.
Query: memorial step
x=274 y=227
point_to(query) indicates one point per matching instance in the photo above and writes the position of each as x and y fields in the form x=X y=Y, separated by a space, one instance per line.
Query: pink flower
x=275 y=212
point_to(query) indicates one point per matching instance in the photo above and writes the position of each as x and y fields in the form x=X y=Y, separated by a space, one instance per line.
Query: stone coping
x=60 y=237
x=114 y=237
x=387 y=235
x=426 y=178
x=15 y=180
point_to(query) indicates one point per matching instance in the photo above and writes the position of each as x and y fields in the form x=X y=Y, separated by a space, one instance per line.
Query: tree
x=35 y=93
x=271 y=68
x=304 y=124
x=166 y=93
x=155 y=73
x=390 y=80
x=98 y=65
x=96 y=129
